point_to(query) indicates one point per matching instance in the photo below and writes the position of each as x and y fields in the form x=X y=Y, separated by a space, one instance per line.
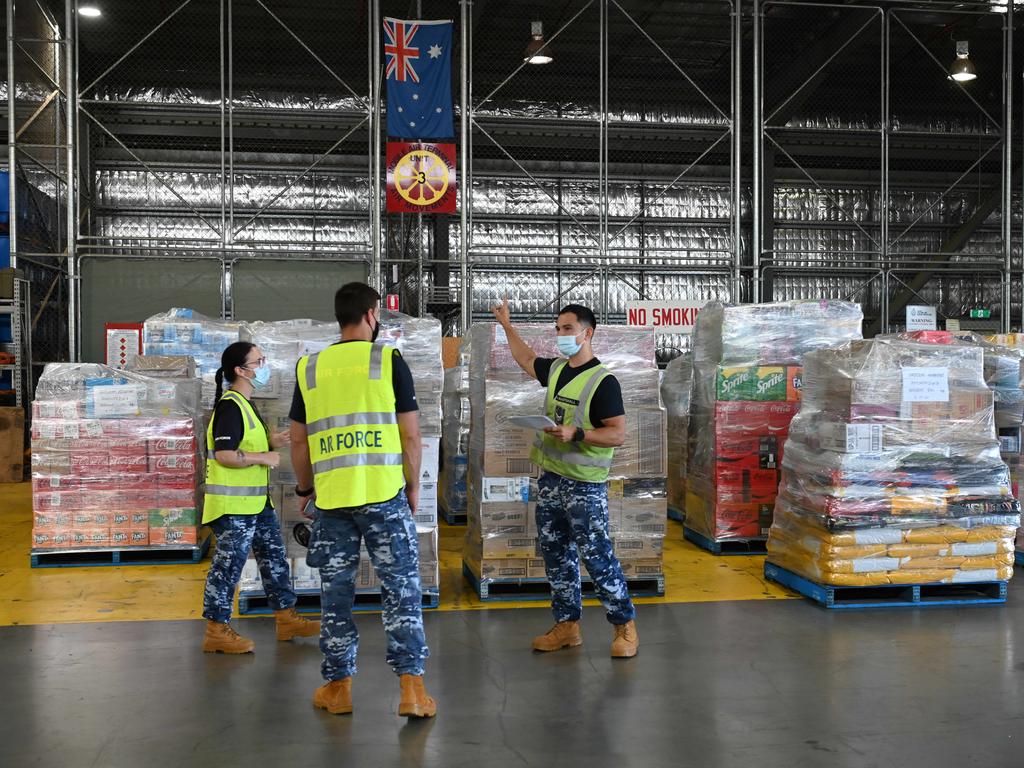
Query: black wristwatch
x=303 y=494
x=580 y=435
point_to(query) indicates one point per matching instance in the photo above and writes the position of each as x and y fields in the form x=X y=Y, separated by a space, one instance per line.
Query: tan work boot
x=565 y=634
x=290 y=624
x=626 y=641
x=414 y=701
x=221 y=638
x=335 y=696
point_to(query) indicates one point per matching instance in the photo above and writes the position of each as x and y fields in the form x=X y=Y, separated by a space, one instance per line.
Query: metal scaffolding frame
x=605 y=260
x=897 y=276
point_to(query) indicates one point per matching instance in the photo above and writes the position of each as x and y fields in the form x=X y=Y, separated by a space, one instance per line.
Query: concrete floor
x=765 y=684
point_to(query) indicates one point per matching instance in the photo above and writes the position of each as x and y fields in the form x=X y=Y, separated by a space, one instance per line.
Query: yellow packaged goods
x=947 y=534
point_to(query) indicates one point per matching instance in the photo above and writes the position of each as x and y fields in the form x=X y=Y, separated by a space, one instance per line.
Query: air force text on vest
x=363 y=438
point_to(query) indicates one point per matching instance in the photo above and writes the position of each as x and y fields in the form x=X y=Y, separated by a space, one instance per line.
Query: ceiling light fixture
x=962 y=70
x=90 y=11
x=537 y=51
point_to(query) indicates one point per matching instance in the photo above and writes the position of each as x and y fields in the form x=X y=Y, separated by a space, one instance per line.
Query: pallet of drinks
x=676 y=385
x=747 y=383
x=892 y=476
x=117 y=463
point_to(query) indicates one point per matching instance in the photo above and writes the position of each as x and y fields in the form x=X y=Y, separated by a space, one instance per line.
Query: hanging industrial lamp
x=537 y=50
x=962 y=69
x=90 y=10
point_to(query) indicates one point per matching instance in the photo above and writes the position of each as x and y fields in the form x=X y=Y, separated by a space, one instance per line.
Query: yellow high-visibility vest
x=352 y=428
x=243 y=490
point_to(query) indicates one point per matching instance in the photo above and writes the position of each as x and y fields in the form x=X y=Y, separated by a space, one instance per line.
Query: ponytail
x=219 y=378
x=232 y=357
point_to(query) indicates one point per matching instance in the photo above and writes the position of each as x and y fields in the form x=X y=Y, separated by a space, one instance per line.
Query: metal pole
x=884 y=202
x=230 y=232
x=420 y=235
x=12 y=152
x=71 y=200
x=757 y=204
x=223 y=137
x=375 y=175
x=1007 y=168
x=464 y=129
x=737 y=147
x=602 y=160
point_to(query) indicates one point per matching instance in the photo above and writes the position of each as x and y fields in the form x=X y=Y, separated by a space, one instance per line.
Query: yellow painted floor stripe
x=171 y=592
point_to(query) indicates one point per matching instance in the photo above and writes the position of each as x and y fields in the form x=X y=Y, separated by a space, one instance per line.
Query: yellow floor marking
x=171 y=592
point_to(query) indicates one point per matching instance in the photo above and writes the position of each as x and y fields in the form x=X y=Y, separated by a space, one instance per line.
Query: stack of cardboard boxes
x=116 y=459
x=892 y=472
x=1005 y=376
x=747 y=382
x=501 y=542
x=185 y=332
x=283 y=343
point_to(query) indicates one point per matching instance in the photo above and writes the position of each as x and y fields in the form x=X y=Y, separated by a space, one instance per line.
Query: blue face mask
x=568 y=345
x=262 y=377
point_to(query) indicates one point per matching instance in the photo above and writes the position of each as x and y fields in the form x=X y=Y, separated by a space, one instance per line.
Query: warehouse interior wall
x=676 y=151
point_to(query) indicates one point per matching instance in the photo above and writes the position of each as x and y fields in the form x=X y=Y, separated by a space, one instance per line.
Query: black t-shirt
x=401 y=380
x=607 y=400
x=228 y=428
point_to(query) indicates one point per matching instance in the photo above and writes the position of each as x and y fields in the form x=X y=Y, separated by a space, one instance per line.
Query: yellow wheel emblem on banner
x=421 y=177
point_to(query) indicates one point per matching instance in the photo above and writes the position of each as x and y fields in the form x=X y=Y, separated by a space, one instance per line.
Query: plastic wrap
x=747 y=382
x=502 y=487
x=181 y=331
x=284 y=342
x=117 y=459
x=455 y=439
x=892 y=471
x=675 y=392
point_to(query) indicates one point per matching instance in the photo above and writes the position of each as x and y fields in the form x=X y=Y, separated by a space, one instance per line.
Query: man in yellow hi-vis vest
x=356 y=448
x=575 y=456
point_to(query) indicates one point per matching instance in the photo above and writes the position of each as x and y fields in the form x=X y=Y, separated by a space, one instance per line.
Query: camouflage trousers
x=235 y=535
x=390 y=535
x=572 y=525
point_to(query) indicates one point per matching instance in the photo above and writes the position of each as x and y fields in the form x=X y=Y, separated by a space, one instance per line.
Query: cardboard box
x=304 y=577
x=171 y=445
x=430 y=576
x=180 y=463
x=535 y=568
x=738 y=420
x=250 y=580
x=172 y=518
x=174 y=536
x=12 y=445
x=431 y=461
x=643 y=569
x=775 y=383
x=637 y=547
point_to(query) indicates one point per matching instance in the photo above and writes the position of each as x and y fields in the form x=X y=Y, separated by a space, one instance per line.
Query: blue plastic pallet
x=728 y=547
x=255 y=603
x=892 y=595
x=128 y=556
x=538 y=589
x=453 y=518
x=677 y=515
x=1018 y=558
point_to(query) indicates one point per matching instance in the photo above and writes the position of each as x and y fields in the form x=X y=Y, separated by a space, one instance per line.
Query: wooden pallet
x=256 y=603
x=453 y=518
x=728 y=546
x=539 y=589
x=890 y=595
x=86 y=558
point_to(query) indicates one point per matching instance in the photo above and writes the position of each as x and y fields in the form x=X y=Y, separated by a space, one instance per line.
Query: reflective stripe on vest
x=576 y=461
x=376 y=364
x=237 y=490
x=355 y=446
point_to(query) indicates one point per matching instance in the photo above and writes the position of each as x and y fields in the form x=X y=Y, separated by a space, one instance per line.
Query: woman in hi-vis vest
x=240 y=453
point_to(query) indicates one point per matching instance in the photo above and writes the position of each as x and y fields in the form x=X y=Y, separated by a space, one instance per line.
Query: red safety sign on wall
x=392 y=302
x=123 y=343
x=421 y=177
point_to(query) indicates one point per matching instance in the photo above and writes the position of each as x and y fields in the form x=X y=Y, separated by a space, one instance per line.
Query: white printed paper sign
x=920 y=318
x=116 y=400
x=925 y=385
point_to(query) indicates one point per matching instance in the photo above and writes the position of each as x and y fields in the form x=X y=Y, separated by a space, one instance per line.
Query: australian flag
x=418 y=70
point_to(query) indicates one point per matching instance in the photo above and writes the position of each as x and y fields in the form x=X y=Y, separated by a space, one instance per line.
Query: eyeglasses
x=251 y=364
